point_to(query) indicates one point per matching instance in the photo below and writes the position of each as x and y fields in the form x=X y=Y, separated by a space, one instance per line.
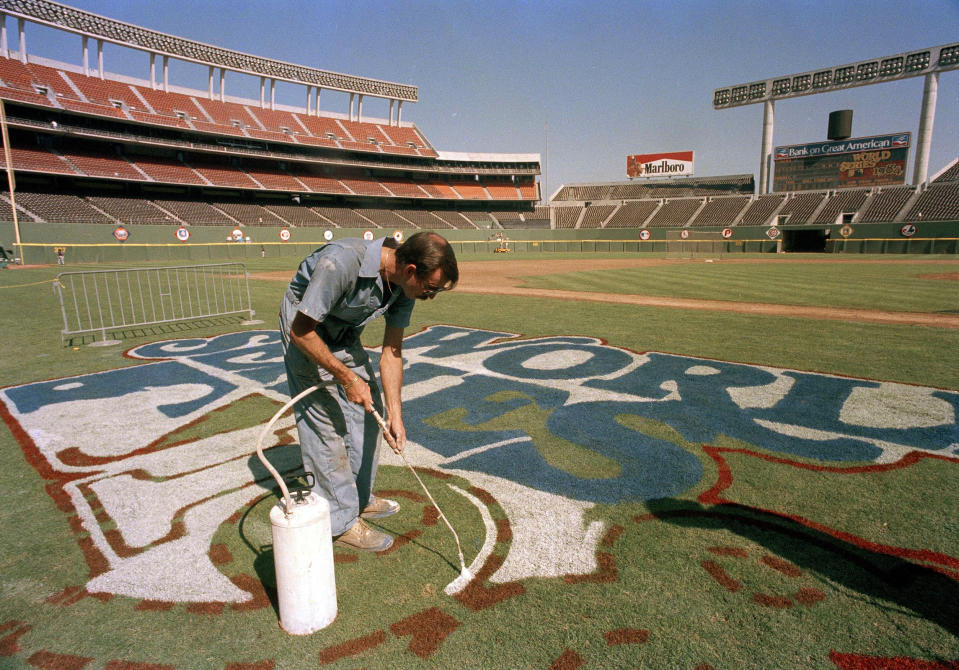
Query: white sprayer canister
x=303 y=560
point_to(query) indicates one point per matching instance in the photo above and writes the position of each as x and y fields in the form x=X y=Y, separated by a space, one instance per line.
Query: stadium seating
x=593 y=217
x=633 y=214
x=196 y=213
x=760 y=211
x=675 y=213
x=841 y=202
x=886 y=204
x=722 y=211
x=133 y=210
x=566 y=217
x=801 y=207
x=939 y=202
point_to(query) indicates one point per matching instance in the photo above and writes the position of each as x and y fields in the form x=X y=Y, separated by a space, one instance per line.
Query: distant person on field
x=59 y=255
x=336 y=291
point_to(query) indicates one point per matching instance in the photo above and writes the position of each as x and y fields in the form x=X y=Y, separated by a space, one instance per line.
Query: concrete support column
x=316 y=105
x=352 y=98
x=262 y=94
x=22 y=35
x=309 y=100
x=359 y=109
x=399 y=112
x=166 y=74
x=100 y=58
x=272 y=94
x=85 y=52
x=3 y=35
x=209 y=82
x=926 y=119
x=222 y=84
x=392 y=104
x=765 y=158
x=153 y=71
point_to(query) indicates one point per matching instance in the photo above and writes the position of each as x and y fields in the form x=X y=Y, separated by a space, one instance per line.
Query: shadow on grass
x=132 y=333
x=880 y=577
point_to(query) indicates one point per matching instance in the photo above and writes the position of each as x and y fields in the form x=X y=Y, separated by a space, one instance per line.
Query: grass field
x=658 y=488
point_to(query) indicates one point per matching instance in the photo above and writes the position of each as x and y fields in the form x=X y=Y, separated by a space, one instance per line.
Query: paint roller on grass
x=466 y=576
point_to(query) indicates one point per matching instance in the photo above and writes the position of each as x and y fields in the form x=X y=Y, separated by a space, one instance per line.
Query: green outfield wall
x=85 y=243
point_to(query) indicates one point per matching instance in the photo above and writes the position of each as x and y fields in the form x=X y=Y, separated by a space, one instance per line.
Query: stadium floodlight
x=926 y=63
x=87 y=24
x=890 y=68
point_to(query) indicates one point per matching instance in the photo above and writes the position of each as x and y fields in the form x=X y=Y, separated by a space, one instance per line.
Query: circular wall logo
x=908 y=230
x=773 y=233
x=398 y=235
x=684 y=234
x=328 y=235
x=182 y=234
x=121 y=234
x=644 y=235
x=368 y=235
x=727 y=233
x=846 y=230
x=285 y=235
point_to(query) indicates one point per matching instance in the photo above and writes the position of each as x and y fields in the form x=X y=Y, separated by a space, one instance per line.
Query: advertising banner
x=672 y=164
x=863 y=161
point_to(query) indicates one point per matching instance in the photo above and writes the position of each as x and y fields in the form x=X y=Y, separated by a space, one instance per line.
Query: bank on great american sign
x=550 y=427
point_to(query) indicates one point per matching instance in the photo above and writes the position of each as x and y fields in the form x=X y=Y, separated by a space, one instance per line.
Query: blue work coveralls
x=339 y=286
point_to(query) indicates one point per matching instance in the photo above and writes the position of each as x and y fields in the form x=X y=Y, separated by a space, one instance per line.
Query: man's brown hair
x=428 y=251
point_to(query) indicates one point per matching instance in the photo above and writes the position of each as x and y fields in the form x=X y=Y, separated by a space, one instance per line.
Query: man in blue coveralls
x=336 y=291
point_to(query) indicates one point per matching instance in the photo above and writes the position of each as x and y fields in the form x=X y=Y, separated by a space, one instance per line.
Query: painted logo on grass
x=549 y=426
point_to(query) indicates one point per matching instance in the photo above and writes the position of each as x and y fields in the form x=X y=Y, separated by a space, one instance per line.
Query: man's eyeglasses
x=431 y=290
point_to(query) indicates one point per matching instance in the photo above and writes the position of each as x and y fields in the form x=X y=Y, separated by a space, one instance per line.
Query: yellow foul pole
x=8 y=161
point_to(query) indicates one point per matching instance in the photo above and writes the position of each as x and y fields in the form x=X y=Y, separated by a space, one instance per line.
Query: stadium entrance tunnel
x=805 y=240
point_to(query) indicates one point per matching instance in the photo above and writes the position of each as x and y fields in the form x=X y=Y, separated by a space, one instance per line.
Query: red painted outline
x=943 y=563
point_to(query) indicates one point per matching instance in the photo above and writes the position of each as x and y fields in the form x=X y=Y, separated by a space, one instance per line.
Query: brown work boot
x=380 y=507
x=362 y=537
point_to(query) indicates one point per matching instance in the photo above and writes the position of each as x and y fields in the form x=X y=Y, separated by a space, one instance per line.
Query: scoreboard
x=864 y=161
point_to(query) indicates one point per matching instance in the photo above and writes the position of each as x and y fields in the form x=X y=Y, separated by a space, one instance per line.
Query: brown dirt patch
x=503 y=277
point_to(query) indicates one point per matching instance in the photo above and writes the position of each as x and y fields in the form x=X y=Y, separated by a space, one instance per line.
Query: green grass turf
x=852 y=599
x=886 y=286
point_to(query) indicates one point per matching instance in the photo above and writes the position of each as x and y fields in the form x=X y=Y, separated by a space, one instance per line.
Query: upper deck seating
x=502 y=191
x=37 y=159
x=220 y=172
x=168 y=170
x=344 y=217
x=402 y=188
x=100 y=162
x=469 y=190
x=951 y=173
x=365 y=187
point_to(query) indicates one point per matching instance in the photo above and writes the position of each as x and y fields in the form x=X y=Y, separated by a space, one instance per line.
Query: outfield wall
x=96 y=243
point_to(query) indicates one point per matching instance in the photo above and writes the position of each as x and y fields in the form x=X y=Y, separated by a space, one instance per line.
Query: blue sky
x=610 y=78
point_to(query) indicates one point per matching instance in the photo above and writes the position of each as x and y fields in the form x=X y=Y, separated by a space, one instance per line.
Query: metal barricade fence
x=110 y=300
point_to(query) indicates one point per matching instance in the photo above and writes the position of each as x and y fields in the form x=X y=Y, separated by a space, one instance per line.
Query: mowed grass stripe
x=891 y=287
